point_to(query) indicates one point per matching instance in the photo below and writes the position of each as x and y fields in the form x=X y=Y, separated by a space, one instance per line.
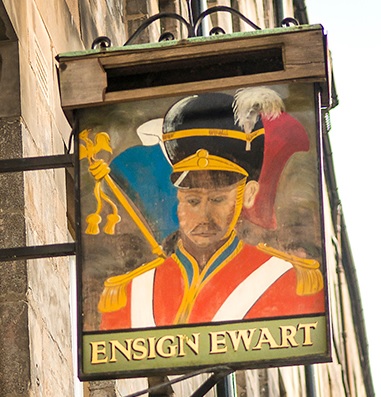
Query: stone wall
x=14 y=338
x=36 y=331
x=44 y=131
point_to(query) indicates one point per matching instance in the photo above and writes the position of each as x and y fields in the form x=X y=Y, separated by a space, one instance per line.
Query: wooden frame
x=300 y=51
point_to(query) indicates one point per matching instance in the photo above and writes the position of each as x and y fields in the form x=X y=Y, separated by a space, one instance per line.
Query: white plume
x=150 y=132
x=250 y=103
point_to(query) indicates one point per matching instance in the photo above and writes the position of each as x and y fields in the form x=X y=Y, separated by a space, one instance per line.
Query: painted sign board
x=201 y=236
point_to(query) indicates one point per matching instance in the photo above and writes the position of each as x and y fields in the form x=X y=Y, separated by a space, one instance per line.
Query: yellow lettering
x=307 y=332
x=116 y=345
x=287 y=337
x=266 y=337
x=138 y=345
x=194 y=343
x=151 y=347
x=98 y=348
x=217 y=345
x=170 y=348
x=181 y=339
x=241 y=335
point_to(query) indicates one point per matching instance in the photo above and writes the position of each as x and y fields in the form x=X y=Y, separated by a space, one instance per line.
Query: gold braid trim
x=240 y=135
x=203 y=161
x=114 y=295
x=308 y=274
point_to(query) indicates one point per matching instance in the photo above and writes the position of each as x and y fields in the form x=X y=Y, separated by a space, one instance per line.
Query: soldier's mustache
x=206 y=227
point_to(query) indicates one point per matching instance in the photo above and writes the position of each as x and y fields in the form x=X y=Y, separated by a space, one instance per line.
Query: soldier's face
x=206 y=215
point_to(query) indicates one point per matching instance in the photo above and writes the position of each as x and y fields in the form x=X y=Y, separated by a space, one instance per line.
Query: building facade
x=37 y=305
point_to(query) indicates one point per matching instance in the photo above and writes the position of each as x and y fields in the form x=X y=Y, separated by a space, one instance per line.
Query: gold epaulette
x=308 y=274
x=114 y=295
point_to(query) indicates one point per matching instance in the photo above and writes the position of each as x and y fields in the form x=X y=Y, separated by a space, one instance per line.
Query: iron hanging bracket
x=156 y=17
x=219 y=372
x=35 y=164
x=103 y=42
x=213 y=10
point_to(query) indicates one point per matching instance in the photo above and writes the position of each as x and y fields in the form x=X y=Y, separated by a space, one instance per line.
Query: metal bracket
x=37 y=252
x=33 y=164
x=218 y=374
x=37 y=163
x=192 y=25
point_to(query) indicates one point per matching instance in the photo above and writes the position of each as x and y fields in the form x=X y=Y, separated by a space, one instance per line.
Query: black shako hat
x=205 y=133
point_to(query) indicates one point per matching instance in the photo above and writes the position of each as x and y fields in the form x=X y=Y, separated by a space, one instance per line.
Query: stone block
x=9 y=79
x=10 y=137
x=14 y=349
x=51 y=367
x=12 y=281
x=49 y=298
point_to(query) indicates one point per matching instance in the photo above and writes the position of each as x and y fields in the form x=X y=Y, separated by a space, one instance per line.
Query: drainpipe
x=309 y=374
x=227 y=386
x=341 y=281
x=195 y=8
x=279 y=11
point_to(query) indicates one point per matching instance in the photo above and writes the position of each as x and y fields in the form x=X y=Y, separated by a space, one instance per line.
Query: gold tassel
x=308 y=275
x=93 y=221
x=112 y=220
x=114 y=295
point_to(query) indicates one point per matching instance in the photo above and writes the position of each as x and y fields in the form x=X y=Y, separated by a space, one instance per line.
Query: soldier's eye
x=193 y=201
x=218 y=199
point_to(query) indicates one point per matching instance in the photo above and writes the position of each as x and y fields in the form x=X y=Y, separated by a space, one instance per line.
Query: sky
x=355 y=42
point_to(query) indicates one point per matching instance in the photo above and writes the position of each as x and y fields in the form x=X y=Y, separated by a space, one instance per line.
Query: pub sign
x=201 y=236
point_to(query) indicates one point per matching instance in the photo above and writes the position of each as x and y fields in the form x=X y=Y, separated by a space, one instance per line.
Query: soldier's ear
x=251 y=190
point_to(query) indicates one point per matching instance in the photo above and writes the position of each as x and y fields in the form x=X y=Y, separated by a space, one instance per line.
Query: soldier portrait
x=201 y=209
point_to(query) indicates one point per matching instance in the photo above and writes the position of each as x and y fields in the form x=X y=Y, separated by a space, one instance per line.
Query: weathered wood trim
x=309 y=49
x=82 y=82
x=84 y=78
x=199 y=87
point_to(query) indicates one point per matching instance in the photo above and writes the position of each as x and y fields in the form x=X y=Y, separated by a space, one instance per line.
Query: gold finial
x=99 y=170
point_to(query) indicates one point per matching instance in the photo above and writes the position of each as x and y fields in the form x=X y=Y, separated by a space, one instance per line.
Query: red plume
x=284 y=136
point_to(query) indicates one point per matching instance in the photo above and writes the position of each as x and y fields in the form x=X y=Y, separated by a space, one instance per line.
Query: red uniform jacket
x=239 y=282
